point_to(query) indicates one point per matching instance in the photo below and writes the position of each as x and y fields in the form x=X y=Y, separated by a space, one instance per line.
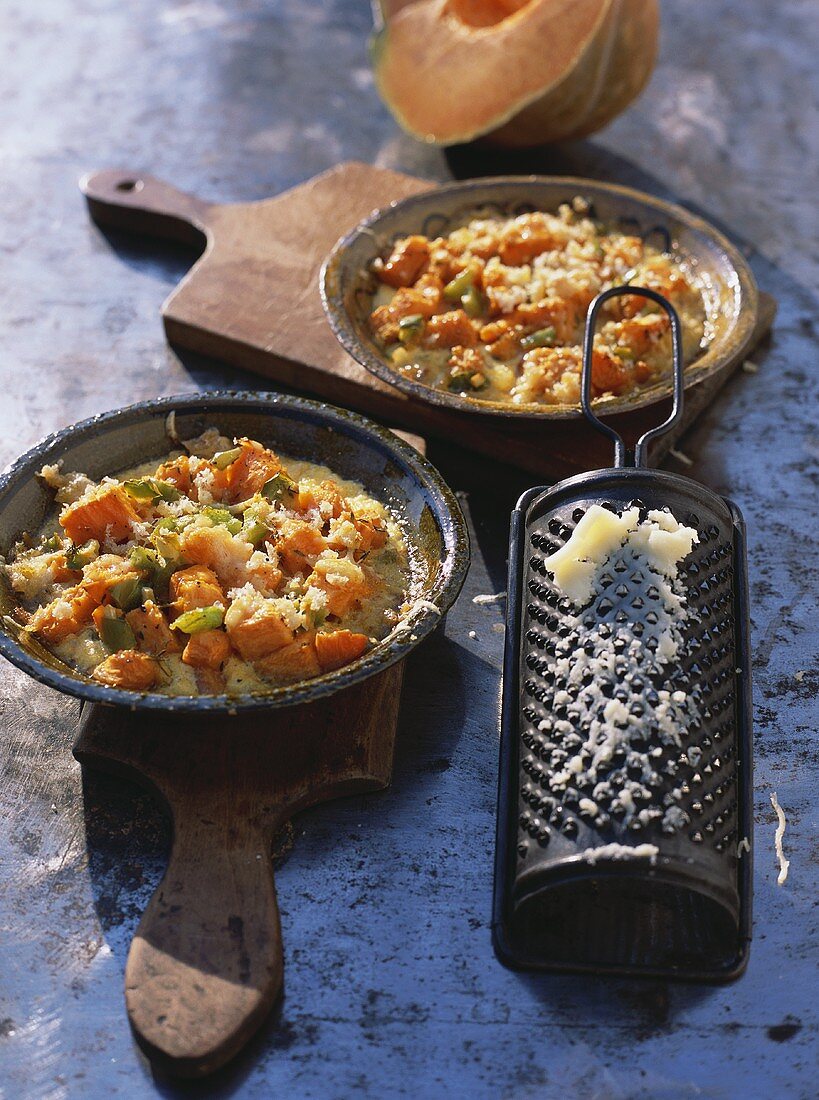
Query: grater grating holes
x=705 y=662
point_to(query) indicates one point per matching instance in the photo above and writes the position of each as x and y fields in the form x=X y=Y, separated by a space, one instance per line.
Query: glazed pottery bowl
x=389 y=468
x=729 y=290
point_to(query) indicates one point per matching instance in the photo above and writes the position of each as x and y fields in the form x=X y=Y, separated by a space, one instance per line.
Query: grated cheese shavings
x=603 y=543
x=488 y=598
x=784 y=864
x=621 y=851
x=680 y=457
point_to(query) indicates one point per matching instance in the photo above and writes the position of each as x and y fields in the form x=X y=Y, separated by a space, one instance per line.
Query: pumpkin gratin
x=495 y=309
x=226 y=569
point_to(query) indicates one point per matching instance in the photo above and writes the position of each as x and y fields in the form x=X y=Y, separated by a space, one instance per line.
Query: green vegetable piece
x=455 y=290
x=254 y=530
x=410 y=329
x=144 y=560
x=460 y=381
x=167 y=491
x=78 y=556
x=149 y=489
x=165 y=537
x=127 y=593
x=543 y=338
x=223 y=518
x=473 y=302
x=116 y=633
x=140 y=488
x=279 y=487
x=223 y=459
x=149 y=562
x=201 y=618
x=54 y=542
x=317 y=616
x=623 y=353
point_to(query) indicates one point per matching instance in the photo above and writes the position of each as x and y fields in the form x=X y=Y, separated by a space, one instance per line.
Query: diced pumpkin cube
x=324 y=497
x=65 y=615
x=100 y=575
x=371 y=527
x=229 y=558
x=299 y=546
x=406 y=262
x=128 y=668
x=260 y=633
x=447 y=330
x=151 y=630
x=196 y=586
x=109 y=512
x=218 y=550
x=178 y=472
x=344 y=581
x=254 y=466
x=520 y=244
x=339 y=648
x=297 y=661
x=609 y=374
x=208 y=649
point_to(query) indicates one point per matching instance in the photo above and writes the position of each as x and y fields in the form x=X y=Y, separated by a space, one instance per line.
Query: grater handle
x=621 y=455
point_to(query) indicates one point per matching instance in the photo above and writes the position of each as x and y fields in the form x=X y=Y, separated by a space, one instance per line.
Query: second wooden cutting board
x=252 y=299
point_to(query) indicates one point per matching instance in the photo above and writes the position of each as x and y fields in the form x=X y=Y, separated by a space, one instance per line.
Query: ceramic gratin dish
x=354 y=447
x=729 y=289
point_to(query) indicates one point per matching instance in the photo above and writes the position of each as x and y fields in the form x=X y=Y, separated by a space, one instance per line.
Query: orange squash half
x=523 y=71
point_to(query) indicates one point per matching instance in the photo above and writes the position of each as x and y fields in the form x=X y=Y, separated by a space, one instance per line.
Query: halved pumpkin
x=524 y=71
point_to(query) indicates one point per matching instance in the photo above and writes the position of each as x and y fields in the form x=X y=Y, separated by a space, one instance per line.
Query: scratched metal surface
x=391 y=986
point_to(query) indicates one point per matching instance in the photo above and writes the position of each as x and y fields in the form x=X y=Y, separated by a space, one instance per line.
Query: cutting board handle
x=139 y=203
x=205 y=965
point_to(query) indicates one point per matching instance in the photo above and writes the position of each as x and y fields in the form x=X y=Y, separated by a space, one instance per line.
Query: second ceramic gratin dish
x=729 y=288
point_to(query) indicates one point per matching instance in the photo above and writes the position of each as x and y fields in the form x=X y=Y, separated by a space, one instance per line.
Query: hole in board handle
x=130 y=185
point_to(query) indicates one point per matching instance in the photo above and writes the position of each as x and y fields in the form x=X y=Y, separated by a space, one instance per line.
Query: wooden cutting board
x=252 y=299
x=206 y=963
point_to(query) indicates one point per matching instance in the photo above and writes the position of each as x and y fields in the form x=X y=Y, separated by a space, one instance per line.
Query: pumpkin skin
x=518 y=73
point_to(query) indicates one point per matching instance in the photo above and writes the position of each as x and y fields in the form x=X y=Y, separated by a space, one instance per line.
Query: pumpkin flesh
x=526 y=71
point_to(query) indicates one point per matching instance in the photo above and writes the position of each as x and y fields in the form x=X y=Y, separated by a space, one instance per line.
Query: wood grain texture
x=252 y=299
x=206 y=965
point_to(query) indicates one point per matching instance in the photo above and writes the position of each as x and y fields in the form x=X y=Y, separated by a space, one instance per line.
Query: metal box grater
x=573 y=889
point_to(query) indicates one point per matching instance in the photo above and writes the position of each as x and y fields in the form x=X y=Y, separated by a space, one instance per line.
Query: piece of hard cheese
x=660 y=539
x=595 y=538
x=663 y=549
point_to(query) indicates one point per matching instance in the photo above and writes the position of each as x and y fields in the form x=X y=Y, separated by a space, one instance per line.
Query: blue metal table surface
x=391 y=985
